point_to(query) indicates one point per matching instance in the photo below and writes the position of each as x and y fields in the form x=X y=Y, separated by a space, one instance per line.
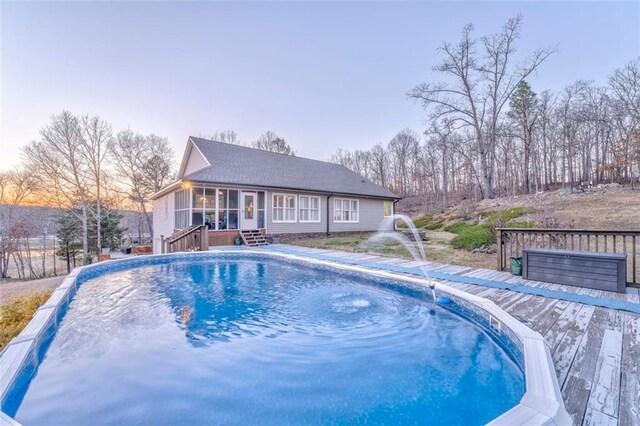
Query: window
x=203 y=206
x=388 y=208
x=228 y=209
x=345 y=210
x=284 y=208
x=166 y=207
x=183 y=207
x=309 y=209
x=261 y=209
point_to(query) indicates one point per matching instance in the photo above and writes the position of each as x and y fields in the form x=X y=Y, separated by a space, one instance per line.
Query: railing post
x=634 y=260
x=204 y=238
x=499 y=251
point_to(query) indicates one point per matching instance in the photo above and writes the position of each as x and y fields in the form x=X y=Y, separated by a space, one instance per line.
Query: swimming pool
x=252 y=338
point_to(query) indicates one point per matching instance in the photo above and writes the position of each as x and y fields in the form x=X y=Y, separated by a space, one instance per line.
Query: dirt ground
x=11 y=290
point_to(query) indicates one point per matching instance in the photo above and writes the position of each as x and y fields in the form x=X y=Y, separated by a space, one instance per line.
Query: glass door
x=249 y=219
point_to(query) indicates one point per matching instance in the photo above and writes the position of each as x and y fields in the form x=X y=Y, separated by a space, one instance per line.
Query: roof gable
x=192 y=160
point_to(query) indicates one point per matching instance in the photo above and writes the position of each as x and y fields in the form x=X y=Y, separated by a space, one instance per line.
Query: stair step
x=253 y=237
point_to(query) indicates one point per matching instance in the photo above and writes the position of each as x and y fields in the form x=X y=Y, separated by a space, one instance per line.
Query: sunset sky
x=321 y=75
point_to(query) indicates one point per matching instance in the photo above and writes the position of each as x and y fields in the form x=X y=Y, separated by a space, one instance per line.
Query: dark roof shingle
x=234 y=164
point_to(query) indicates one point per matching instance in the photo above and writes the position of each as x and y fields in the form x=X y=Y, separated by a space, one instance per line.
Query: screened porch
x=220 y=209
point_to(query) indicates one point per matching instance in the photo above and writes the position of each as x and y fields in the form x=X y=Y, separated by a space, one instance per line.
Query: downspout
x=328 y=197
x=394 y=212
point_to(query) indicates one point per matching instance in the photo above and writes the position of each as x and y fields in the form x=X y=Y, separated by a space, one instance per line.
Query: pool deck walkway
x=595 y=349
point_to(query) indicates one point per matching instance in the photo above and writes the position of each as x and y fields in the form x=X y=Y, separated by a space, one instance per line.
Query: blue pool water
x=262 y=341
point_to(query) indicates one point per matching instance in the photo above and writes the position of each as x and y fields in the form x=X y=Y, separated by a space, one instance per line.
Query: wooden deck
x=596 y=351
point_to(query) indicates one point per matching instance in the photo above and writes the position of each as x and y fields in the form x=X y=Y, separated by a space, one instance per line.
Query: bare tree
x=403 y=148
x=269 y=141
x=625 y=88
x=379 y=158
x=461 y=101
x=96 y=138
x=583 y=135
x=226 y=136
x=59 y=161
x=502 y=80
x=144 y=166
x=16 y=187
x=482 y=85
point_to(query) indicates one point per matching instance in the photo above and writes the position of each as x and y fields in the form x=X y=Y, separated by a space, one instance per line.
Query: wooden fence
x=511 y=242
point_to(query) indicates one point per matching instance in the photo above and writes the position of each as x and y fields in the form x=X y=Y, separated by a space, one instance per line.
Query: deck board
x=596 y=351
x=630 y=378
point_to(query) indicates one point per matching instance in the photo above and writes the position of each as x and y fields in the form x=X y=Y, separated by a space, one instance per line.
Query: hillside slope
x=610 y=207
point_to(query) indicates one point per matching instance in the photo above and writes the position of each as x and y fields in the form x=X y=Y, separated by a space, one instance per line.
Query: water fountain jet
x=417 y=251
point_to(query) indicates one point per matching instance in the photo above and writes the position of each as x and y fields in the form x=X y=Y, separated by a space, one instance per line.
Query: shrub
x=87 y=259
x=504 y=216
x=434 y=225
x=522 y=224
x=428 y=222
x=422 y=221
x=467 y=209
x=457 y=228
x=472 y=237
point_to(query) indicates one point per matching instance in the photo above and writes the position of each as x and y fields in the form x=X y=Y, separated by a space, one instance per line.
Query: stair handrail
x=194 y=238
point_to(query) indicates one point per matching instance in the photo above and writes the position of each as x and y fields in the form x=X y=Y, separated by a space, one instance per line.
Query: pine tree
x=70 y=229
x=70 y=246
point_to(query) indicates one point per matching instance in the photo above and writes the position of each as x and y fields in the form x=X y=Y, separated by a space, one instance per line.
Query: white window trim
x=309 y=210
x=273 y=207
x=384 y=215
x=350 y=200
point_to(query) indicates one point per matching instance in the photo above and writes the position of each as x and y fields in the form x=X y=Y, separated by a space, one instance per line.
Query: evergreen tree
x=523 y=112
x=70 y=231
x=70 y=245
x=110 y=230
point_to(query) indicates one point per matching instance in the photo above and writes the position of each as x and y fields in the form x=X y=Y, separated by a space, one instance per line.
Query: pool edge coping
x=541 y=404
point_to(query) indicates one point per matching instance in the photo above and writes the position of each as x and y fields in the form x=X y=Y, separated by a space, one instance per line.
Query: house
x=231 y=189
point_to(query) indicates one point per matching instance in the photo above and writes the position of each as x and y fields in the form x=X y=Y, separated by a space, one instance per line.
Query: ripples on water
x=263 y=342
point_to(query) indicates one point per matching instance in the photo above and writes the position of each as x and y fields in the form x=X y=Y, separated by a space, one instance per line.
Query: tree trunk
x=85 y=231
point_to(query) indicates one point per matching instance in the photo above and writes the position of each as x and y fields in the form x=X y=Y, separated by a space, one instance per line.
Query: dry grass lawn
x=598 y=210
x=437 y=248
x=613 y=208
x=15 y=315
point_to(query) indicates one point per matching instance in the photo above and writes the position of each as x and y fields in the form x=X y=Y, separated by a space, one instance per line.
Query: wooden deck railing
x=195 y=238
x=511 y=242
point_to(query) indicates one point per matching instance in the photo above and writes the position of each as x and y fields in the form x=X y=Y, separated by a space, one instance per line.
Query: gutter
x=394 y=212
x=167 y=189
x=328 y=197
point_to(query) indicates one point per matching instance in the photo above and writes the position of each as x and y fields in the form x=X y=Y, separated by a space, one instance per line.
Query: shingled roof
x=240 y=165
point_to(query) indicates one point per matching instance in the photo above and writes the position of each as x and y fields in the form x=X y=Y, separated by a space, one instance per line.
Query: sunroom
x=224 y=211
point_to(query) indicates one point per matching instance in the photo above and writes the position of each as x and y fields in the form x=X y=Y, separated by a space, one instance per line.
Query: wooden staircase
x=253 y=237
x=195 y=238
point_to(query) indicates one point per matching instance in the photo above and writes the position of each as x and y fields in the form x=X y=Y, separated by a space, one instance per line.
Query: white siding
x=195 y=162
x=371 y=217
x=163 y=217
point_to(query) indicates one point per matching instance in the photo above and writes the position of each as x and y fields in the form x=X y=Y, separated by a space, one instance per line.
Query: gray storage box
x=602 y=271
